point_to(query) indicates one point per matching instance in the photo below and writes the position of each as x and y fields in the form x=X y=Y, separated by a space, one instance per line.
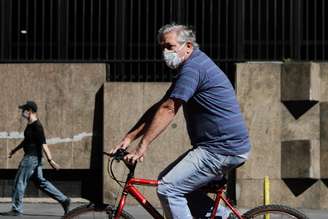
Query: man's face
x=170 y=44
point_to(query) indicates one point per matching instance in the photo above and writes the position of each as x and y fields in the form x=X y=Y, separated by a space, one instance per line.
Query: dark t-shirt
x=33 y=139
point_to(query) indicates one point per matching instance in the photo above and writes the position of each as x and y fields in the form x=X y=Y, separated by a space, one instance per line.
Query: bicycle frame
x=129 y=188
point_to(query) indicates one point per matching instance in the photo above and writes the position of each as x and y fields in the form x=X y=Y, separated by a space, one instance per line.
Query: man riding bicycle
x=214 y=122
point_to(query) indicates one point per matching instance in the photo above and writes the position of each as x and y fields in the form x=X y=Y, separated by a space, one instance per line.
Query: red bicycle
x=218 y=188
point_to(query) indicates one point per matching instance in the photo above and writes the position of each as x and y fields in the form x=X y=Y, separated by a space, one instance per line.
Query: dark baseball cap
x=29 y=105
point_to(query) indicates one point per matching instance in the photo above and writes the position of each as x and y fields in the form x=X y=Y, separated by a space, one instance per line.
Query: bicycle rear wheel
x=92 y=211
x=275 y=211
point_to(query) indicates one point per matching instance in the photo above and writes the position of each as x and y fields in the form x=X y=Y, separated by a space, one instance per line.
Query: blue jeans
x=30 y=167
x=177 y=189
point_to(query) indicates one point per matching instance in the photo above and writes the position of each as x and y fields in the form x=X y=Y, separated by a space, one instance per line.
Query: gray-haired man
x=215 y=125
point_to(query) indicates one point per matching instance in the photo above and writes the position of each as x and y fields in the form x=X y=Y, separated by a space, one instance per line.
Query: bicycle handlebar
x=119 y=155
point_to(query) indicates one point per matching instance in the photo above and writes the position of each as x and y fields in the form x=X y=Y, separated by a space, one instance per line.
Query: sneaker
x=66 y=205
x=11 y=213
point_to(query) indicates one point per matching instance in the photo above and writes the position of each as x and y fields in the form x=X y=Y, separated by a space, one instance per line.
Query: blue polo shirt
x=211 y=110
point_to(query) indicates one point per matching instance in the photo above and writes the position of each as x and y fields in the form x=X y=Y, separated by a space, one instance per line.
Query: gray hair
x=184 y=34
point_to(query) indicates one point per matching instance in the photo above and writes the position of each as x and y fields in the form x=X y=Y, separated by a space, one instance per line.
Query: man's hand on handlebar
x=122 y=145
x=129 y=157
x=135 y=155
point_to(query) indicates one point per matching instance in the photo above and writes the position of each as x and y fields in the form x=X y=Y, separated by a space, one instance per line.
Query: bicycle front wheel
x=92 y=211
x=275 y=212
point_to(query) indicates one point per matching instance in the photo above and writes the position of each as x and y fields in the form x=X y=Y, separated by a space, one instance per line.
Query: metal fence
x=122 y=33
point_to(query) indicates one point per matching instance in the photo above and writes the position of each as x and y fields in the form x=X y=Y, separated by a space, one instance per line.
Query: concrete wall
x=83 y=115
x=66 y=96
x=285 y=109
x=124 y=104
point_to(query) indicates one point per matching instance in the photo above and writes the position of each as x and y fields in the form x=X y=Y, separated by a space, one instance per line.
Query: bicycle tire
x=260 y=211
x=94 y=211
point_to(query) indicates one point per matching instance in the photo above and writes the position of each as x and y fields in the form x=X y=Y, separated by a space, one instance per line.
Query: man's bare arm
x=139 y=128
x=162 y=118
x=52 y=163
x=18 y=147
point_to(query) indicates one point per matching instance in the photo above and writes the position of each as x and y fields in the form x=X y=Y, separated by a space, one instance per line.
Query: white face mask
x=25 y=114
x=172 y=58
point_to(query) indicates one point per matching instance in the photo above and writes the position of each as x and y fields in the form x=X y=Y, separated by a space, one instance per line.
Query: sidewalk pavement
x=55 y=211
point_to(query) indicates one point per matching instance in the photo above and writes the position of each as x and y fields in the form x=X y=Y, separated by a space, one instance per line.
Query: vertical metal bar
x=235 y=30
x=171 y=10
x=163 y=13
x=251 y=30
x=324 y=42
x=51 y=29
x=139 y=40
x=67 y=23
x=83 y=30
x=307 y=18
x=298 y=29
x=75 y=44
x=202 y=25
x=18 y=44
x=123 y=37
x=211 y=28
x=195 y=15
x=226 y=55
x=91 y=30
x=283 y=21
x=291 y=30
x=99 y=30
x=27 y=28
x=147 y=39
x=43 y=30
x=267 y=30
x=115 y=29
x=219 y=29
x=35 y=45
x=147 y=30
x=2 y=38
x=259 y=18
x=240 y=30
x=275 y=31
x=155 y=41
x=131 y=30
x=10 y=29
x=107 y=31
x=59 y=19
x=187 y=12
x=315 y=37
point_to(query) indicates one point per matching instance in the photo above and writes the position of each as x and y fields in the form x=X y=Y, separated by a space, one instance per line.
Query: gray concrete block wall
x=65 y=94
x=300 y=159
x=259 y=99
x=124 y=103
x=301 y=113
x=257 y=94
x=305 y=75
x=324 y=139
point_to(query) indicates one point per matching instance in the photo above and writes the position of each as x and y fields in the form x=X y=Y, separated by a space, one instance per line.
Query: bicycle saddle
x=215 y=185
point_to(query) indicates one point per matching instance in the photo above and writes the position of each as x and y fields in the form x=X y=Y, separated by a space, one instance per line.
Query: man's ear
x=189 y=45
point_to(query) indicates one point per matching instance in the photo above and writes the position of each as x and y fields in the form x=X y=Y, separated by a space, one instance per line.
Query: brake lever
x=120 y=154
